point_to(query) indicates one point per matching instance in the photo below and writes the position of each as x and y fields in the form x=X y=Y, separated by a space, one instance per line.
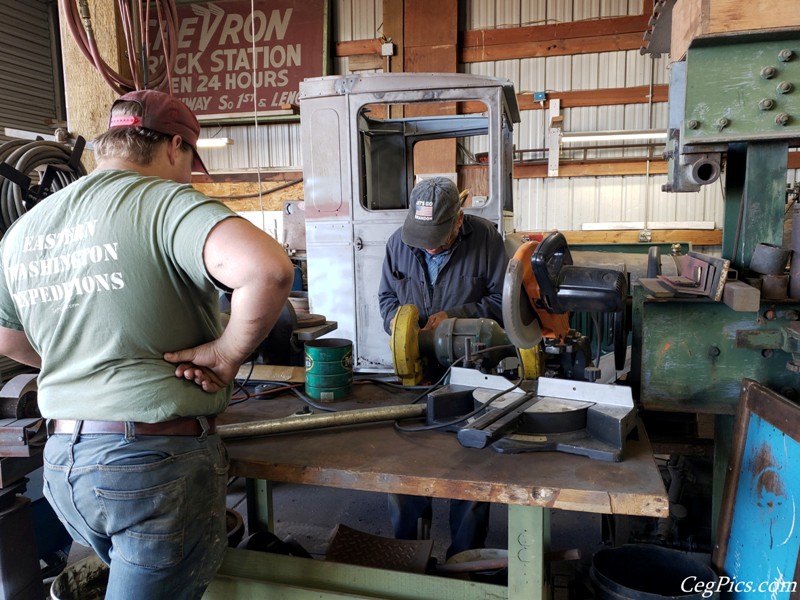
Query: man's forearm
x=15 y=345
x=254 y=311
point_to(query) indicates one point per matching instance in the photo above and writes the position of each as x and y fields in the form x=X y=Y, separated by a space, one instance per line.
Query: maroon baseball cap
x=163 y=113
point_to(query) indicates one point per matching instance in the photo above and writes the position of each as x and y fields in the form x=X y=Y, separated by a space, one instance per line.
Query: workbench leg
x=259 y=506
x=723 y=442
x=528 y=539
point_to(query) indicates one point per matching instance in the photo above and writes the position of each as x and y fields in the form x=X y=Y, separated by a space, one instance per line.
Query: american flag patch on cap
x=423 y=210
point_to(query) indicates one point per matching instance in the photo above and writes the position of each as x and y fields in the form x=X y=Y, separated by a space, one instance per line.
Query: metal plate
x=725 y=81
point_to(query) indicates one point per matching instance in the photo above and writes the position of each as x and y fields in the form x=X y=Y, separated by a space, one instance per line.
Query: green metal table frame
x=249 y=574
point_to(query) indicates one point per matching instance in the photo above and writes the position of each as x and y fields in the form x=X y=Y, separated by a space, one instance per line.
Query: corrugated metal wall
x=30 y=93
x=569 y=203
x=539 y=203
x=263 y=146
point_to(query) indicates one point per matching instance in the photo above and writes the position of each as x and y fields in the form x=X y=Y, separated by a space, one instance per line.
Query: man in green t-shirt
x=110 y=287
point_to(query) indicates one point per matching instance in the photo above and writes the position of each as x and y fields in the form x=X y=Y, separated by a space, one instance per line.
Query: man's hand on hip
x=203 y=365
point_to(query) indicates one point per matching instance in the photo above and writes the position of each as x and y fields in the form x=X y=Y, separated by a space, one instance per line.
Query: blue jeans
x=469 y=520
x=152 y=507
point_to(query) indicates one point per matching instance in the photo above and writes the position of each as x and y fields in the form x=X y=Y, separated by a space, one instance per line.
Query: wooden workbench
x=376 y=457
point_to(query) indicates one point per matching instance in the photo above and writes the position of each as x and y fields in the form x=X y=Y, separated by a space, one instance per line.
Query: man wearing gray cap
x=447 y=264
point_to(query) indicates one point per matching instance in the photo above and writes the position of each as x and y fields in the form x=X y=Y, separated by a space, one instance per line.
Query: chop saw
x=523 y=411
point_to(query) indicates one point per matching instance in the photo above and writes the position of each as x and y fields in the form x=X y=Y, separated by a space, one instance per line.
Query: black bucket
x=649 y=572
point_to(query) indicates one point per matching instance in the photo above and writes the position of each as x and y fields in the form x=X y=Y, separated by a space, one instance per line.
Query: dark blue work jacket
x=470 y=282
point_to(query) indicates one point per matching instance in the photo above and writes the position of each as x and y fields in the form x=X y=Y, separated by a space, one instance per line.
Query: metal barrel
x=329 y=369
x=650 y=572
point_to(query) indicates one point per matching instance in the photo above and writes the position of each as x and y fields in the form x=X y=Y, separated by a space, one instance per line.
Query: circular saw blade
x=519 y=318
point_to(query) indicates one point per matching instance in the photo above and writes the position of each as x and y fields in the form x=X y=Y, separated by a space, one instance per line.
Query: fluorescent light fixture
x=611 y=136
x=214 y=142
x=28 y=135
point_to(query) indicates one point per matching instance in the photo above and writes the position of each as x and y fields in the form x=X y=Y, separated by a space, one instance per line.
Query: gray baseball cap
x=435 y=206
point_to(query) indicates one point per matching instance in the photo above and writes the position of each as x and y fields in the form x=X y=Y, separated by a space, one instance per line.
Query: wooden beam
x=703 y=18
x=606 y=43
x=354 y=47
x=479 y=38
x=697 y=237
x=592 y=168
x=580 y=37
x=600 y=97
x=393 y=30
x=364 y=62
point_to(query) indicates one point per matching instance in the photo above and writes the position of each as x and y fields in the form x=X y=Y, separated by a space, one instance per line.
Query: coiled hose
x=31 y=160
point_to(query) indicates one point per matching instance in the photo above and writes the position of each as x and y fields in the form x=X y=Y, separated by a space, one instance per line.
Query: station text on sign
x=232 y=61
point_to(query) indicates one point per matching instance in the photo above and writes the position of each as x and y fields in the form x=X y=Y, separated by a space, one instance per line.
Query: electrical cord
x=469 y=415
x=241 y=386
x=460 y=360
x=305 y=399
x=260 y=192
x=310 y=402
x=438 y=383
x=462 y=418
x=278 y=387
x=388 y=383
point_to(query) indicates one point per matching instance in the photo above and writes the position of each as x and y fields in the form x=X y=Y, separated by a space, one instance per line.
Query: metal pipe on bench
x=319 y=421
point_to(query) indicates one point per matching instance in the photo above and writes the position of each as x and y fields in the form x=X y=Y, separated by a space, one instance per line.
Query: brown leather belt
x=180 y=426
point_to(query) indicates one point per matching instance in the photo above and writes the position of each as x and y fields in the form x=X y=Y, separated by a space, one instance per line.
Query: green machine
x=734 y=103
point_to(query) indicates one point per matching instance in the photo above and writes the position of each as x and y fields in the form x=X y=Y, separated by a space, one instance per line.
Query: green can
x=329 y=369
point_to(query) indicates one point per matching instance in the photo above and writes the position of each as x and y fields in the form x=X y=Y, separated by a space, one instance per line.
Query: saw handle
x=547 y=261
x=495 y=423
x=564 y=288
x=598 y=290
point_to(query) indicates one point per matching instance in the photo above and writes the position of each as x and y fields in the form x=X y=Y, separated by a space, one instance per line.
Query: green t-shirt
x=105 y=276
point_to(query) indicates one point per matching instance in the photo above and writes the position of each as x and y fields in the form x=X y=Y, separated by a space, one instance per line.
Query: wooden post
x=430 y=37
x=393 y=30
x=88 y=97
x=724 y=17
